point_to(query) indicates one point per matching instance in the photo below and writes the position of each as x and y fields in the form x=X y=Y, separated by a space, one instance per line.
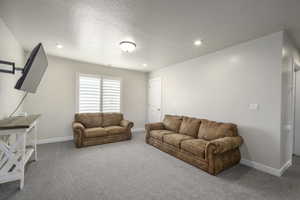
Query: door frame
x=161 y=96
x=296 y=68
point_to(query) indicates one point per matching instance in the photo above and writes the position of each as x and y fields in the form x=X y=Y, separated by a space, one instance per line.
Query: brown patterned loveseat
x=100 y=128
x=208 y=145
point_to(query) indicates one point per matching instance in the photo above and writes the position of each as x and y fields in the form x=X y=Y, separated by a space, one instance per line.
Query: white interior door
x=154 y=101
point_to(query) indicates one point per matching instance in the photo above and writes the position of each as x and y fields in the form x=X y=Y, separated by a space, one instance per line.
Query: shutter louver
x=111 y=95
x=89 y=94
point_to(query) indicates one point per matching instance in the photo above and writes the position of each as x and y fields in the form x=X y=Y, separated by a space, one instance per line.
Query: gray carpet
x=134 y=170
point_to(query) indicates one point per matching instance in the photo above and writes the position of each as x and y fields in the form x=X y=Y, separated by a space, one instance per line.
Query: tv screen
x=33 y=70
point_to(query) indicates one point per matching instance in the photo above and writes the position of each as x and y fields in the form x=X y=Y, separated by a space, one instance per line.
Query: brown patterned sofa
x=208 y=145
x=100 y=128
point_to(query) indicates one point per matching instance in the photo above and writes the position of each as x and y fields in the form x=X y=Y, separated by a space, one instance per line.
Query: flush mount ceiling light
x=145 y=65
x=127 y=46
x=198 y=43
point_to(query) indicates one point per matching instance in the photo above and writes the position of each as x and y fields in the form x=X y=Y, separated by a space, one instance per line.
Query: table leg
x=23 y=153
x=35 y=142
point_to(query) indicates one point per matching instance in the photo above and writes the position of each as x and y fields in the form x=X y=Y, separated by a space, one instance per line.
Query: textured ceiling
x=164 y=30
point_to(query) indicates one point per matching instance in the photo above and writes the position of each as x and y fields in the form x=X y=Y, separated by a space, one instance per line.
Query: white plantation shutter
x=97 y=94
x=111 y=95
x=89 y=94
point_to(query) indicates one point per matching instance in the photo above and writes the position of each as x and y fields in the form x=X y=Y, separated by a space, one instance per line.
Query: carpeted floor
x=134 y=170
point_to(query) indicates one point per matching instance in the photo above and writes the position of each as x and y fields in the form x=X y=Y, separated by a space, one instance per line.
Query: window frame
x=100 y=76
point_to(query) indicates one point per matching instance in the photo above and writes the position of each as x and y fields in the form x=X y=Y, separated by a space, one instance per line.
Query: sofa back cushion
x=172 y=122
x=89 y=120
x=210 y=130
x=112 y=119
x=190 y=126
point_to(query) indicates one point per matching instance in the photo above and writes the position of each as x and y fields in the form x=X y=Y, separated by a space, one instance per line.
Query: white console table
x=13 y=157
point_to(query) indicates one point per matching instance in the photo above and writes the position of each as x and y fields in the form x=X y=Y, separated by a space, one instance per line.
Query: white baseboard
x=249 y=163
x=265 y=168
x=138 y=129
x=68 y=138
x=285 y=167
x=55 y=139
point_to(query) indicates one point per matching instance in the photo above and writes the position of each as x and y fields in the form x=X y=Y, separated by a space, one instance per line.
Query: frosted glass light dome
x=127 y=46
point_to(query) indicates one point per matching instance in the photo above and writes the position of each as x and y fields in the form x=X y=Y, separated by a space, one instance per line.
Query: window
x=98 y=94
x=110 y=95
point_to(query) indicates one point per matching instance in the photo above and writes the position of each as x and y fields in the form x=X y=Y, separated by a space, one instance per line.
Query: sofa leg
x=146 y=140
x=78 y=145
x=211 y=172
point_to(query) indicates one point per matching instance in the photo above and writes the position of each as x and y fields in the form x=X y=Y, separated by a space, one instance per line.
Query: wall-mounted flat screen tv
x=33 y=70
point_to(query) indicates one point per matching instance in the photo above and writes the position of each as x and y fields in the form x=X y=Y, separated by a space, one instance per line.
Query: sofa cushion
x=172 y=122
x=115 y=130
x=175 y=139
x=195 y=146
x=89 y=120
x=112 y=119
x=95 y=132
x=190 y=126
x=158 y=134
x=210 y=130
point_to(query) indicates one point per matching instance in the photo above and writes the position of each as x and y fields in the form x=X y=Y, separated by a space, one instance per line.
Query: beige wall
x=220 y=86
x=55 y=98
x=10 y=50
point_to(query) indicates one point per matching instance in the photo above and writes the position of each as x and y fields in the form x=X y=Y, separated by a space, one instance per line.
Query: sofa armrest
x=226 y=144
x=153 y=126
x=78 y=130
x=127 y=124
x=77 y=126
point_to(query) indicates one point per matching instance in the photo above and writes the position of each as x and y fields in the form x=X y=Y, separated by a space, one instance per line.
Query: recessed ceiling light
x=127 y=46
x=198 y=43
x=234 y=59
x=59 y=46
x=145 y=65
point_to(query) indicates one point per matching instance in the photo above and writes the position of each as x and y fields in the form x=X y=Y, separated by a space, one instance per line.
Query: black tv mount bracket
x=10 y=65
